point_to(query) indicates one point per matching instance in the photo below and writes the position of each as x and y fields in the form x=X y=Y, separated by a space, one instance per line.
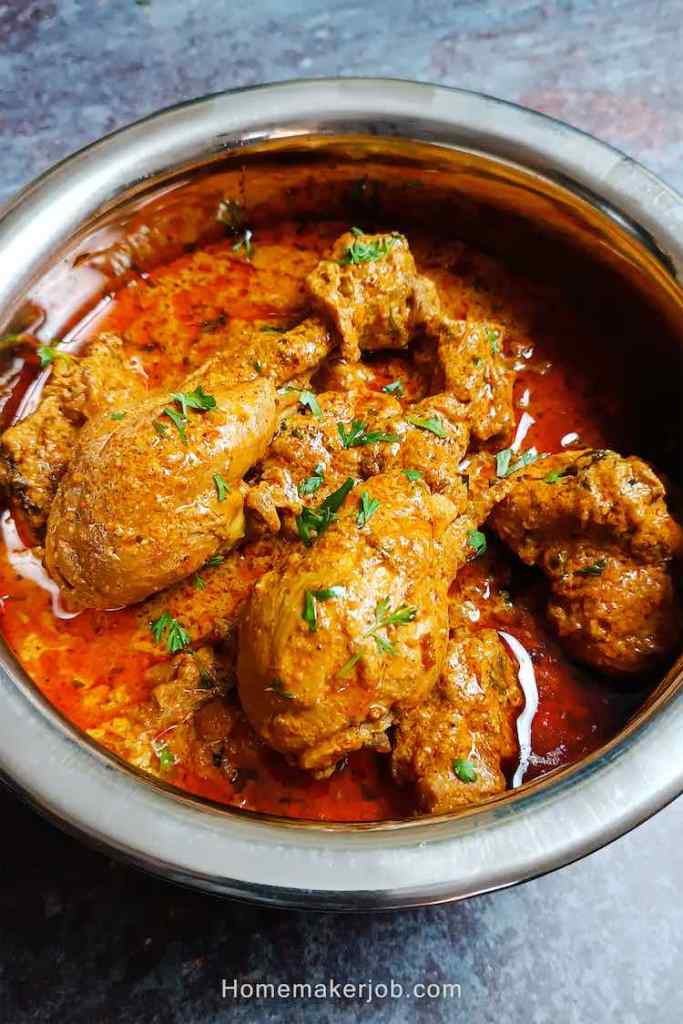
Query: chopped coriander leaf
x=166 y=758
x=358 y=435
x=159 y=428
x=309 y=614
x=194 y=400
x=312 y=483
x=366 y=252
x=117 y=415
x=278 y=688
x=176 y=636
x=214 y=561
x=395 y=388
x=477 y=541
x=230 y=214
x=432 y=423
x=596 y=569
x=327 y=593
x=492 y=337
x=367 y=508
x=317 y=520
x=308 y=399
x=412 y=474
x=222 y=488
x=178 y=420
x=348 y=666
x=506 y=467
x=385 y=617
x=48 y=353
x=384 y=646
x=464 y=770
x=271 y=329
x=257 y=366
x=554 y=475
x=198 y=582
x=244 y=244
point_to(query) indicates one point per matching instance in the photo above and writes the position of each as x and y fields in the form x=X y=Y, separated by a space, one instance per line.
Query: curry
x=314 y=512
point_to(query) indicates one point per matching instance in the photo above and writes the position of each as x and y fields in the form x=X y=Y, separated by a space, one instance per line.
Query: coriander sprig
x=383 y=617
x=177 y=637
x=358 y=435
x=362 y=251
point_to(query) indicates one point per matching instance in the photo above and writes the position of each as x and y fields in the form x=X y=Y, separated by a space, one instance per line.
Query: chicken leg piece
x=350 y=627
x=148 y=499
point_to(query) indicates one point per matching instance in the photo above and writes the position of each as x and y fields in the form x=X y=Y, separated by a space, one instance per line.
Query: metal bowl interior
x=585 y=206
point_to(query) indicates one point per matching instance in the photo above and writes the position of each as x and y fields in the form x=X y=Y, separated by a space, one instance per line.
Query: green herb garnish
x=271 y=329
x=222 y=488
x=493 y=341
x=230 y=214
x=317 y=520
x=164 y=753
x=117 y=415
x=358 y=435
x=199 y=582
x=555 y=474
x=477 y=541
x=197 y=399
x=464 y=770
x=179 y=420
x=433 y=424
x=244 y=244
x=48 y=353
x=395 y=388
x=506 y=467
x=596 y=569
x=176 y=636
x=367 y=508
x=412 y=474
x=308 y=399
x=309 y=614
x=257 y=366
x=160 y=429
x=312 y=483
x=278 y=688
x=214 y=561
x=366 y=252
x=383 y=617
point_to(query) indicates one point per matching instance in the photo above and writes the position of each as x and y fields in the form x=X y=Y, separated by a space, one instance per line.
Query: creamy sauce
x=527 y=680
x=26 y=565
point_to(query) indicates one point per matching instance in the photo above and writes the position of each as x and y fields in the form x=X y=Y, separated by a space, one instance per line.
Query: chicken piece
x=250 y=353
x=453 y=746
x=475 y=371
x=308 y=458
x=598 y=525
x=370 y=290
x=433 y=436
x=35 y=452
x=209 y=604
x=350 y=628
x=357 y=433
x=183 y=683
x=141 y=505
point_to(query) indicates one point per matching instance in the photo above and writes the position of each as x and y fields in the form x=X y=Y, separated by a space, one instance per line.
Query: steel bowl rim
x=316 y=867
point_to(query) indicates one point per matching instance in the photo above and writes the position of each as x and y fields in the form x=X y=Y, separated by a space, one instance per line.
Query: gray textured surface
x=82 y=939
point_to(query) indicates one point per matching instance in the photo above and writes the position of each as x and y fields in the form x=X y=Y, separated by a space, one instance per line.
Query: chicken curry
x=333 y=522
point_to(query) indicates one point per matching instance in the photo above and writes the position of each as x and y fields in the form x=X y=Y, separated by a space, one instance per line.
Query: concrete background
x=85 y=940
